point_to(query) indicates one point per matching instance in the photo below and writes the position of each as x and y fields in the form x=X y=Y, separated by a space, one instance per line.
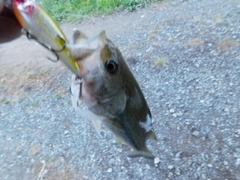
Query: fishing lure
x=39 y=26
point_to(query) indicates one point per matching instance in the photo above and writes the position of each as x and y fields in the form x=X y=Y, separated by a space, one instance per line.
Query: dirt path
x=187 y=60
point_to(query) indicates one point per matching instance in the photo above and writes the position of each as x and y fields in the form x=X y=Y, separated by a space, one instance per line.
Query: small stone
x=178 y=171
x=109 y=170
x=180 y=114
x=65 y=132
x=147 y=166
x=210 y=165
x=171 y=111
x=226 y=110
x=225 y=163
x=85 y=177
x=170 y=167
x=196 y=133
x=170 y=174
x=213 y=123
x=174 y=115
x=203 y=176
x=156 y=161
x=238 y=131
x=238 y=162
x=111 y=161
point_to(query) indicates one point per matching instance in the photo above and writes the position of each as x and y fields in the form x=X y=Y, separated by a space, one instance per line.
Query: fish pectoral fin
x=97 y=125
x=80 y=49
x=80 y=52
x=136 y=153
x=152 y=135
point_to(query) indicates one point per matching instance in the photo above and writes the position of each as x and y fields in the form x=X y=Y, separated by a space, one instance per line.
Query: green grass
x=36 y=104
x=58 y=96
x=6 y=102
x=75 y=10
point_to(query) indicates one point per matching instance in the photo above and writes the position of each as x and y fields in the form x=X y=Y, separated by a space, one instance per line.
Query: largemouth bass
x=111 y=92
x=38 y=25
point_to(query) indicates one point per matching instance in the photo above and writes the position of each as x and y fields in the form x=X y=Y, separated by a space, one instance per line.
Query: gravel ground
x=187 y=61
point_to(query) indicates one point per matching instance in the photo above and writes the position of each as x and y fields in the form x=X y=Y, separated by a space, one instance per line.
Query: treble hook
x=32 y=37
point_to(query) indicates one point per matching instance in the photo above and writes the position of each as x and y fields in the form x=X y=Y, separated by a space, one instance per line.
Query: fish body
x=111 y=92
x=42 y=27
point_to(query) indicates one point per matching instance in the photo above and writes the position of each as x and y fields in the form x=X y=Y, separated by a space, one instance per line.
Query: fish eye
x=111 y=66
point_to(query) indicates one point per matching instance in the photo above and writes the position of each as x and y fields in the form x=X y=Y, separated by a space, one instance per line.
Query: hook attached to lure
x=32 y=37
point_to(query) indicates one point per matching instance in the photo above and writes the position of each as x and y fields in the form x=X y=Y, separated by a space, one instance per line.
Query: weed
x=69 y=102
x=161 y=61
x=36 y=104
x=6 y=102
x=204 y=71
x=58 y=96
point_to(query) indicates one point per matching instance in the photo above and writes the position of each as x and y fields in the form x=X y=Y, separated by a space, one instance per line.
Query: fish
x=40 y=26
x=110 y=91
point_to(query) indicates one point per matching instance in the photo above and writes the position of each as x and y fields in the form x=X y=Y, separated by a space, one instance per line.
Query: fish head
x=99 y=61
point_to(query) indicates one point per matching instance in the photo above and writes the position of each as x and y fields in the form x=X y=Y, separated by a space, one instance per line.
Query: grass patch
x=75 y=10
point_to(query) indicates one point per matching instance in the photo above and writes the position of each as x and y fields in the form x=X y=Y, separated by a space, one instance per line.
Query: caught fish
x=110 y=91
x=38 y=25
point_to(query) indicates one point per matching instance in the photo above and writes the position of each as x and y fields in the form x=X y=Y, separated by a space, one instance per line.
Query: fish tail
x=136 y=153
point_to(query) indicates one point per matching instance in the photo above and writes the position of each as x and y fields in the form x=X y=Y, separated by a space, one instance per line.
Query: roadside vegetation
x=75 y=10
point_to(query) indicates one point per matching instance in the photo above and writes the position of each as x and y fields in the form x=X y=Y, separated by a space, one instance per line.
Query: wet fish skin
x=111 y=92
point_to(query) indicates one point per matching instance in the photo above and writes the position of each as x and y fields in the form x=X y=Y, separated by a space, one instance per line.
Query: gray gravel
x=187 y=61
